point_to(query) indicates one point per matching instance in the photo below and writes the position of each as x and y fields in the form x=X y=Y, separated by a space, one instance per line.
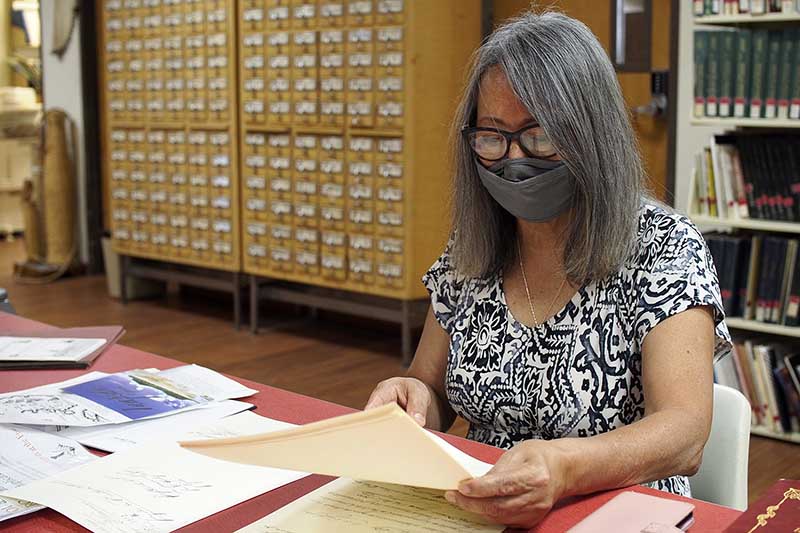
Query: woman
x=573 y=321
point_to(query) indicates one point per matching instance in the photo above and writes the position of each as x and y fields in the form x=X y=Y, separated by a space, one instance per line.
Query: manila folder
x=383 y=445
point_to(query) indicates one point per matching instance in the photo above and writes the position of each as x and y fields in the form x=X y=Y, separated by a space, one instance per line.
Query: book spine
x=753 y=277
x=727 y=280
x=741 y=372
x=787 y=6
x=712 y=186
x=776 y=167
x=781 y=401
x=773 y=68
x=758 y=73
x=701 y=184
x=791 y=147
x=790 y=395
x=786 y=73
x=758 y=7
x=794 y=89
x=699 y=6
x=720 y=179
x=763 y=179
x=762 y=405
x=700 y=81
x=715 y=7
x=744 y=6
x=728 y=42
x=749 y=171
x=712 y=73
x=786 y=277
x=762 y=288
x=791 y=314
x=776 y=281
x=742 y=200
x=741 y=89
x=762 y=359
x=742 y=273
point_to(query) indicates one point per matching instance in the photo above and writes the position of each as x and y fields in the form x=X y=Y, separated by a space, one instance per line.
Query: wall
x=688 y=137
x=61 y=87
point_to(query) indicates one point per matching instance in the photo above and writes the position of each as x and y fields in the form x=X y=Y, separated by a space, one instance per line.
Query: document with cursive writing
x=349 y=506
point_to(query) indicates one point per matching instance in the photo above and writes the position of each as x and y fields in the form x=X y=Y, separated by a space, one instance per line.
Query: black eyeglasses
x=493 y=144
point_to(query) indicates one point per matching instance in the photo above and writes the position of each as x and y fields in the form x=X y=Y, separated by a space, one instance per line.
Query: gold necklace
x=528 y=292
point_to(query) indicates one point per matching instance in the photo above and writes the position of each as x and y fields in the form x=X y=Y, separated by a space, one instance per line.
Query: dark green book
x=713 y=64
x=741 y=85
x=794 y=89
x=773 y=72
x=758 y=72
x=700 y=59
x=727 y=58
x=786 y=73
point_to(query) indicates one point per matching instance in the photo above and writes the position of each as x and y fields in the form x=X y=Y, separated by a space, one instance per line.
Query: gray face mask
x=532 y=189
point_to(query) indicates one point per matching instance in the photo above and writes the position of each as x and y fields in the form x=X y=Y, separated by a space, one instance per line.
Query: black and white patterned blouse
x=579 y=373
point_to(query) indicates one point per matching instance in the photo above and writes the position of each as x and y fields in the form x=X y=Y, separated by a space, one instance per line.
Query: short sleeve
x=444 y=288
x=677 y=273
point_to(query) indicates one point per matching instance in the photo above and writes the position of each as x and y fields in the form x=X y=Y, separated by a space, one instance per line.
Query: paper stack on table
x=56 y=347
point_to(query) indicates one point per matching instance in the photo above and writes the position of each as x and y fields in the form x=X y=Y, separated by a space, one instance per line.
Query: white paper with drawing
x=97 y=398
x=157 y=487
x=348 y=506
x=119 y=437
x=383 y=444
x=27 y=455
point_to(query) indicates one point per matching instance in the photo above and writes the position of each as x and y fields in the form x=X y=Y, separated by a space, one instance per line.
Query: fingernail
x=419 y=418
x=450 y=497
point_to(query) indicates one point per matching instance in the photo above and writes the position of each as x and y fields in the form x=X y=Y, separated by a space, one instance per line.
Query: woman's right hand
x=409 y=393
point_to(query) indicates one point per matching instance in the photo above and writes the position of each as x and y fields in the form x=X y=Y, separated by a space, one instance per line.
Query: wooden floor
x=332 y=358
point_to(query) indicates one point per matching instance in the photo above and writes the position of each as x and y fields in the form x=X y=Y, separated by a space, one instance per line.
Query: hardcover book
x=778 y=510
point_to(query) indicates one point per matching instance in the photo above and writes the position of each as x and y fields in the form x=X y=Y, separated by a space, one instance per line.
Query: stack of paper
x=382 y=444
x=57 y=348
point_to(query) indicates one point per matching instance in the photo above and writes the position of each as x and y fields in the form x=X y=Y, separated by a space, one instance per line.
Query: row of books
x=747 y=73
x=739 y=7
x=742 y=175
x=768 y=374
x=759 y=277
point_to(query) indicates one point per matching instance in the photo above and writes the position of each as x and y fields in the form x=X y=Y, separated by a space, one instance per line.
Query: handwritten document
x=383 y=445
x=157 y=487
x=27 y=455
x=118 y=437
x=348 y=506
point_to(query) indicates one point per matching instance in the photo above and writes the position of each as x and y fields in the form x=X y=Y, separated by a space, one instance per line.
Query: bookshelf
x=747 y=19
x=746 y=223
x=761 y=431
x=746 y=122
x=763 y=327
x=767 y=21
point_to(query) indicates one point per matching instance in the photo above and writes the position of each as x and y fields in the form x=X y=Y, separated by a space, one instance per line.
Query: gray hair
x=562 y=75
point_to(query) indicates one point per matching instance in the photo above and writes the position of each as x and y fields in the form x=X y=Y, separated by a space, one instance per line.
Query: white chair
x=722 y=477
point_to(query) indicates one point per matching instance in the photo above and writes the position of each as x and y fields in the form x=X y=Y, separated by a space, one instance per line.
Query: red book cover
x=777 y=510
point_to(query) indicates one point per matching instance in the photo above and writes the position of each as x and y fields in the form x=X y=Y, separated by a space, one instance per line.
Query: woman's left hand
x=520 y=489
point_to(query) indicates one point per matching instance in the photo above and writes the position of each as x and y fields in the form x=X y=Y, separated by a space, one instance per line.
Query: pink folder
x=632 y=512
